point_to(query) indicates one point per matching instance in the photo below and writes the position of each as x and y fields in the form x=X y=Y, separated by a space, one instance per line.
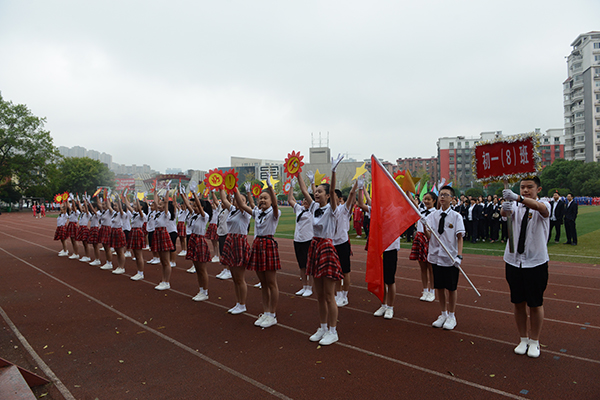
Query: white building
x=581 y=93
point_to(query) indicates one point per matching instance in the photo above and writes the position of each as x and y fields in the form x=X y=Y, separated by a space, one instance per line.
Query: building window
x=596 y=58
x=466 y=144
x=451 y=158
x=556 y=140
x=459 y=145
x=597 y=45
x=451 y=145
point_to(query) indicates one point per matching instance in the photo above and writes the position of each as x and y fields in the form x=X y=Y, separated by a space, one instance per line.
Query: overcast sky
x=190 y=83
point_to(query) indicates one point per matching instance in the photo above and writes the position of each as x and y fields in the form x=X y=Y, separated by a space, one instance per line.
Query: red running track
x=99 y=335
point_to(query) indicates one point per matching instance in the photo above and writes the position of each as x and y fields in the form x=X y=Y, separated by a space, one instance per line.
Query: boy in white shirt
x=451 y=229
x=527 y=267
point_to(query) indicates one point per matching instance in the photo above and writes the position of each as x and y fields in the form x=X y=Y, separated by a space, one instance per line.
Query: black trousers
x=554 y=225
x=571 y=231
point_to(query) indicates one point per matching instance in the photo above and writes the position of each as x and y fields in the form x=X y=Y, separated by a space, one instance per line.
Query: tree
x=26 y=149
x=575 y=176
x=80 y=175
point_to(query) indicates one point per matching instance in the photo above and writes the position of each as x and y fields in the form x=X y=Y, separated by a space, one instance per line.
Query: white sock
x=332 y=329
x=445 y=314
x=451 y=314
x=345 y=294
x=431 y=291
x=534 y=343
x=524 y=340
x=323 y=326
x=390 y=307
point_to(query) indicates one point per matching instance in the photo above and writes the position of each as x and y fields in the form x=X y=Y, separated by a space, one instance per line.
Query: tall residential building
x=418 y=165
x=552 y=146
x=581 y=93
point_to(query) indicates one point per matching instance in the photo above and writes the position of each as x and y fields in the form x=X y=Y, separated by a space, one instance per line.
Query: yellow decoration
x=319 y=178
x=273 y=182
x=359 y=171
x=201 y=187
x=140 y=195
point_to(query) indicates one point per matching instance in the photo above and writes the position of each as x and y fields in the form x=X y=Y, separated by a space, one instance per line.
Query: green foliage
x=79 y=175
x=474 y=192
x=583 y=179
x=561 y=191
x=26 y=149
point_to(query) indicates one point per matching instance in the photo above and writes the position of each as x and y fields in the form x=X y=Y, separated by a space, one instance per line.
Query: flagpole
x=425 y=221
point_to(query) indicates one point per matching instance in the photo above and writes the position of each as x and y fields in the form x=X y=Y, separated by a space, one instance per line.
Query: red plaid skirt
x=235 y=251
x=181 y=229
x=137 y=239
x=93 y=238
x=60 y=233
x=197 y=249
x=420 y=247
x=104 y=234
x=211 y=232
x=264 y=255
x=83 y=233
x=161 y=241
x=144 y=228
x=117 y=238
x=323 y=260
x=72 y=230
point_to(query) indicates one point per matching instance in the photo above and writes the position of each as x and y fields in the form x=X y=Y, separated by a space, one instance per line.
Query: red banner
x=124 y=183
x=501 y=160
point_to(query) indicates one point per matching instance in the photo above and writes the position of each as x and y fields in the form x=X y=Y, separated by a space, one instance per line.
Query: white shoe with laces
x=226 y=275
x=425 y=296
x=318 y=335
x=268 y=321
x=450 y=323
x=63 y=253
x=300 y=292
x=96 y=262
x=329 y=338
x=119 y=271
x=137 y=277
x=107 y=266
x=439 y=322
x=201 y=296
x=389 y=313
x=380 y=311
x=308 y=292
x=430 y=297
x=73 y=256
x=163 y=286
x=182 y=253
x=241 y=308
x=534 y=349
x=191 y=270
x=260 y=320
x=85 y=259
x=215 y=259
x=522 y=347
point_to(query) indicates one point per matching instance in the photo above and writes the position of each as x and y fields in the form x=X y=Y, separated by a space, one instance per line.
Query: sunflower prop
x=214 y=179
x=293 y=164
x=256 y=189
x=230 y=179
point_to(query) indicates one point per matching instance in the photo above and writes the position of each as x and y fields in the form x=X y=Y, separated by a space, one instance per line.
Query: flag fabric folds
x=392 y=212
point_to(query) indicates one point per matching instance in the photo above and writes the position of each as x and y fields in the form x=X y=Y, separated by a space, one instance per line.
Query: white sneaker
x=430 y=297
x=425 y=296
x=380 y=311
x=389 y=313
x=173 y=264
x=163 y=286
x=96 y=262
x=146 y=248
x=258 y=285
x=233 y=308
x=438 y=323
x=85 y=259
x=329 y=338
x=241 y=308
x=182 y=253
x=73 y=256
x=450 y=322
x=260 y=320
x=522 y=347
x=201 y=296
x=137 y=277
x=342 y=301
x=300 y=292
x=154 y=261
x=307 y=292
x=191 y=270
x=534 y=349
x=226 y=275
x=119 y=271
x=128 y=254
x=269 y=321
x=215 y=259
x=63 y=253
x=318 y=335
x=107 y=266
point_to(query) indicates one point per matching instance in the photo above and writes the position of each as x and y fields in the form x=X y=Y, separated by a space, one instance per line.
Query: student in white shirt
x=182 y=214
x=137 y=239
x=150 y=227
x=104 y=232
x=303 y=234
x=162 y=242
x=83 y=233
x=341 y=242
x=93 y=237
x=527 y=267
x=222 y=215
x=72 y=227
x=197 y=249
x=264 y=254
x=61 y=230
x=420 y=248
x=236 y=249
x=450 y=228
x=211 y=232
x=117 y=239
x=323 y=262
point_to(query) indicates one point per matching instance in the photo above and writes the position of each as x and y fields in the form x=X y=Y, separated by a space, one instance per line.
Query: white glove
x=457 y=261
x=510 y=195
x=507 y=206
x=311 y=177
x=247 y=186
x=361 y=182
x=335 y=162
x=269 y=183
x=294 y=181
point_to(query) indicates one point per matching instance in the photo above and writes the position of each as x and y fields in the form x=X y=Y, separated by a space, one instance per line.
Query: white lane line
x=159 y=334
x=43 y=366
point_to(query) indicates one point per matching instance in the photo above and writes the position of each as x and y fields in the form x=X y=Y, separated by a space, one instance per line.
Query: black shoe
x=567 y=243
x=573 y=244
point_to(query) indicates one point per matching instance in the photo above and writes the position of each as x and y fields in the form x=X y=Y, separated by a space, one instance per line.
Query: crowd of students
x=321 y=243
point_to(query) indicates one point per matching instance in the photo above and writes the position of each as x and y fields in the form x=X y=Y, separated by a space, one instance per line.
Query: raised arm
x=128 y=205
x=186 y=202
x=215 y=202
x=250 y=200
x=273 y=199
x=351 y=197
x=304 y=190
x=241 y=202
x=332 y=194
x=198 y=204
x=361 y=202
x=224 y=200
x=291 y=198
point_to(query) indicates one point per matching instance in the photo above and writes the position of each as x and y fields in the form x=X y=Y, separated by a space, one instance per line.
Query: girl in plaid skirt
x=104 y=232
x=94 y=235
x=117 y=236
x=323 y=262
x=211 y=233
x=198 y=250
x=162 y=242
x=61 y=230
x=420 y=249
x=264 y=255
x=182 y=214
x=83 y=232
x=236 y=250
x=72 y=227
x=137 y=237
x=303 y=234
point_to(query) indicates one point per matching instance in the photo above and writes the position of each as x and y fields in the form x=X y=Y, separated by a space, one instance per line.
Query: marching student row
x=321 y=246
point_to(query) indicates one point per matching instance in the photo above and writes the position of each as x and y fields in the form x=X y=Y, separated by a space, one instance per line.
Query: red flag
x=392 y=212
